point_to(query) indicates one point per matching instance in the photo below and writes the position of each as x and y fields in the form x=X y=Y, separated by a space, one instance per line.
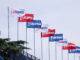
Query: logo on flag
x=26 y=18
x=56 y=37
x=34 y=24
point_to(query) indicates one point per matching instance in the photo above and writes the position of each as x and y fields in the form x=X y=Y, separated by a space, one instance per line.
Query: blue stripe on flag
x=56 y=37
x=73 y=51
x=62 y=41
x=34 y=24
x=77 y=50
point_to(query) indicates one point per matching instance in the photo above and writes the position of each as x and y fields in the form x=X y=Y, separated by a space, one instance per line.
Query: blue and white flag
x=43 y=27
x=77 y=50
x=56 y=37
x=34 y=24
x=18 y=12
x=63 y=41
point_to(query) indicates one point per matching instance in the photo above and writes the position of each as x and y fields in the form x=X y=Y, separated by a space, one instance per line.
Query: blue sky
x=62 y=15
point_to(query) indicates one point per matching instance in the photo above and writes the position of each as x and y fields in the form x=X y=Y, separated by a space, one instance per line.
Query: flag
x=26 y=18
x=69 y=46
x=34 y=24
x=18 y=11
x=51 y=32
x=56 y=37
x=77 y=47
x=77 y=50
x=48 y=33
x=43 y=27
x=62 y=41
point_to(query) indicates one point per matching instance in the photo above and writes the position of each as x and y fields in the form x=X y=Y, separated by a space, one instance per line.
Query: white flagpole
x=62 y=51
x=34 y=41
x=26 y=35
x=41 y=49
x=55 y=50
x=74 y=56
x=49 y=49
x=68 y=54
x=17 y=30
x=8 y=24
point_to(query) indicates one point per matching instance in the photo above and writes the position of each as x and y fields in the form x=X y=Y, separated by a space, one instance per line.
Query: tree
x=8 y=47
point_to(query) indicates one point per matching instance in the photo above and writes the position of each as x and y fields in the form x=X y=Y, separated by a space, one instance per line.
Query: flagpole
x=49 y=49
x=74 y=56
x=55 y=51
x=17 y=30
x=41 y=49
x=62 y=52
x=8 y=24
x=68 y=52
x=68 y=55
x=26 y=36
x=34 y=41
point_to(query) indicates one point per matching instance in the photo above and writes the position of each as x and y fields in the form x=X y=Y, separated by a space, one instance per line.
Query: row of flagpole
x=26 y=37
x=34 y=41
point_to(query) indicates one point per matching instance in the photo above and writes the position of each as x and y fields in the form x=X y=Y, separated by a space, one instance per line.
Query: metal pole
x=34 y=41
x=55 y=51
x=41 y=49
x=68 y=52
x=62 y=52
x=8 y=24
x=49 y=49
x=26 y=35
x=17 y=30
x=68 y=55
x=74 y=56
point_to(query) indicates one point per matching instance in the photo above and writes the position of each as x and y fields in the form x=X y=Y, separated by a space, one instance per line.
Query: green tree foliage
x=8 y=47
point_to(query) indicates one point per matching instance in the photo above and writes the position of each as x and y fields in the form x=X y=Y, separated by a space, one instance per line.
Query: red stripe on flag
x=26 y=18
x=71 y=44
x=48 y=34
x=68 y=47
